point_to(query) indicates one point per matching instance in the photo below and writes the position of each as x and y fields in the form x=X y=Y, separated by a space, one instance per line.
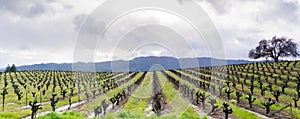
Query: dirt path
x=60 y=109
x=109 y=109
x=28 y=106
x=117 y=108
x=257 y=114
x=200 y=112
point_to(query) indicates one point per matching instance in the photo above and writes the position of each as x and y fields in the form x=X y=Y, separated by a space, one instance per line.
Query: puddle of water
x=150 y=110
x=200 y=112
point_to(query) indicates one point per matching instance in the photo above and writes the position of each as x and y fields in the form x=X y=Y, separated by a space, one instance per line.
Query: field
x=246 y=91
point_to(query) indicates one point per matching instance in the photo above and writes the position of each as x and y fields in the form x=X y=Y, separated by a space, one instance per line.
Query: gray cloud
x=92 y=24
x=44 y=31
x=220 y=6
x=26 y=8
x=120 y=39
x=244 y=22
x=279 y=10
x=78 y=20
x=31 y=33
x=241 y=25
x=31 y=8
x=163 y=41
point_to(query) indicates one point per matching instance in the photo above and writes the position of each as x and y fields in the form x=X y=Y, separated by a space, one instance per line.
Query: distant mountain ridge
x=135 y=65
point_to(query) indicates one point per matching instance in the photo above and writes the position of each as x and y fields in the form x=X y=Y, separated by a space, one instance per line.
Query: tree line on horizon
x=12 y=68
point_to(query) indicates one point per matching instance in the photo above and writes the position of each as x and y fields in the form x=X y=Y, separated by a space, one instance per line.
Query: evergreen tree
x=13 y=68
x=7 y=69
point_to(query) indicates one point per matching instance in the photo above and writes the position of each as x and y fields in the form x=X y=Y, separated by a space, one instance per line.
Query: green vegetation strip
x=179 y=105
x=237 y=111
x=47 y=107
x=89 y=107
x=260 y=99
x=120 y=115
x=139 y=100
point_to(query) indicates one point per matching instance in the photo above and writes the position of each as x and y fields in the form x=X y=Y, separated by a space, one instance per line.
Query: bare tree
x=275 y=48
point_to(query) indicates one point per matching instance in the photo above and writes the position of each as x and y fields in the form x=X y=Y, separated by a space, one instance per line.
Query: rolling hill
x=134 y=65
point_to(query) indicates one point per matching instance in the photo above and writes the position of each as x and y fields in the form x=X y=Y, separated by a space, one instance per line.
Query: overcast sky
x=44 y=31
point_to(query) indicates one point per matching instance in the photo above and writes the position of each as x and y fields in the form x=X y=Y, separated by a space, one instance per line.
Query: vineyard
x=246 y=91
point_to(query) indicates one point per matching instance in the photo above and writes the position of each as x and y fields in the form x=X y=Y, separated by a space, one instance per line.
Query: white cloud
x=44 y=31
x=39 y=31
x=244 y=23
